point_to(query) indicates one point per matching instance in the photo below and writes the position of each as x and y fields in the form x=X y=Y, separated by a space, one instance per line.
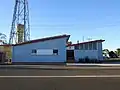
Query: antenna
x=83 y=38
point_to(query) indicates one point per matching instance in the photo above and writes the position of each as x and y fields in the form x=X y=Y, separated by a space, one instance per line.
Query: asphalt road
x=60 y=72
x=34 y=79
x=60 y=83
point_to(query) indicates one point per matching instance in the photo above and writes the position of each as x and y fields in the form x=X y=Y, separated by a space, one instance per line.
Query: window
x=90 y=46
x=77 y=47
x=86 y=46
x=81 y=46
x=94 y=46
x=55 y=51
x=45 y=51
x=34 y=51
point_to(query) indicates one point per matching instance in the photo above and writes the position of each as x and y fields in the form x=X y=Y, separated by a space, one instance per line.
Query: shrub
x=81 y=60
x=87 y=60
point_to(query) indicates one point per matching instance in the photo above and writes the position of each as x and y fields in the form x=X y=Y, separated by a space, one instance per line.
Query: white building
x=49 y=50
x=90 y=49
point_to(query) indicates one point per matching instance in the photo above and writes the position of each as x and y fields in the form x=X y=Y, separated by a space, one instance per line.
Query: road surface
x=83 y=78
x=60 y=83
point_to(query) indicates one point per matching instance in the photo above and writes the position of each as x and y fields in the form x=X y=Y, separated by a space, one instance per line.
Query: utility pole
x=20 y=28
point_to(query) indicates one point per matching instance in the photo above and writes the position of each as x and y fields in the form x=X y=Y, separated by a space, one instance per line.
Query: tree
x=3 y=38
x=118 y=51
x=113 y=54
x=105 y=52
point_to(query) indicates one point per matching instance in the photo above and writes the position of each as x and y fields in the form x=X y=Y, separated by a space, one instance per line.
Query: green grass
x=114 y=59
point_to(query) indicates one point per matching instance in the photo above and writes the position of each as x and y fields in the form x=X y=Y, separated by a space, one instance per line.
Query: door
x=2 y=57
x=70 y=56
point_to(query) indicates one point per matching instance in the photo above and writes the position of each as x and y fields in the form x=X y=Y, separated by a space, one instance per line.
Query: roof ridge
x=43 y=39
x=100 y=40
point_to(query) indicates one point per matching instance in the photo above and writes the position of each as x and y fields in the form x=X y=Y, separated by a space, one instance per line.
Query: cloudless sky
x=96 y=19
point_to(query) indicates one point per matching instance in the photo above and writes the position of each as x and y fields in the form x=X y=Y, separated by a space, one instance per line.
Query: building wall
x=1 y=48
x=22 y=53
x=92 y=54
x=100 y=53
x=8 y=50
x=70 y=48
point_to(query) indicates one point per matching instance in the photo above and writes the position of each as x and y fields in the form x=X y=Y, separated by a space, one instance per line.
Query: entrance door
x=70 y=56
x=2 y=57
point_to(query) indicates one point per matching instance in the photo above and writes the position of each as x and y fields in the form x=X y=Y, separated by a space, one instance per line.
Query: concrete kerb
x=106 y=65
x=55 y=67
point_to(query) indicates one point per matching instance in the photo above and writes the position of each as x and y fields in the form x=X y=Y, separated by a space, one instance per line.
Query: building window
x=90 y=46
x=81 y=46
x=34 y=51
x=77 y=47
x=45 y=51
x=86 y=46
x=94 y=46
x=55 y=51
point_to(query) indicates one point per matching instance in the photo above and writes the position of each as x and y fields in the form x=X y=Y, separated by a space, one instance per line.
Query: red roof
x=86 y=42
x=6 y=45
x=44 y=39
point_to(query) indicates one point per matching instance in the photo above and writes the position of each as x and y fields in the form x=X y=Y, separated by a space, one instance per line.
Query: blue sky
x=96 y=19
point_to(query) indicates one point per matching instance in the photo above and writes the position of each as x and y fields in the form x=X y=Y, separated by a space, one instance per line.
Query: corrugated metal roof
x=6 y=45
x=44 y=39
x=85 y=42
